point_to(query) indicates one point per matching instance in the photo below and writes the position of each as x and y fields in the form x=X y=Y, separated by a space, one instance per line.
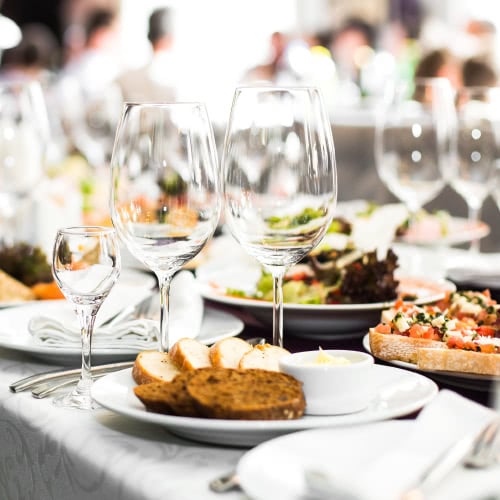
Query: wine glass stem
x=474 y=213
x=86 y=318
x=277 y=272
x=164 y=281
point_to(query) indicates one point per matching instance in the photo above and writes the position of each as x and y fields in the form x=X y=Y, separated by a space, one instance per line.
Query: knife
x=33 y=380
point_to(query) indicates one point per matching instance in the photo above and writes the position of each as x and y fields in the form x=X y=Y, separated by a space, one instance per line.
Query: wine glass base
x=77 y=398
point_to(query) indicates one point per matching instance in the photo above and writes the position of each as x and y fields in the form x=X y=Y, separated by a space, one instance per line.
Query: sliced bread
x=154 y=366
x=264 y=357
x=246 y=394
x=171 y=398
x=190 y=354
x=227 y=353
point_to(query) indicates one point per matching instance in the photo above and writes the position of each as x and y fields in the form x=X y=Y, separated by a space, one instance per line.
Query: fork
x=484 y=453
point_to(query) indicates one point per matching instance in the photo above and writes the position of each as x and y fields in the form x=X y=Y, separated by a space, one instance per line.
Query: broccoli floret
x=26 y=263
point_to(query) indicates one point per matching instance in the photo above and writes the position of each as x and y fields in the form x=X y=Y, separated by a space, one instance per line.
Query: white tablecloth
x=60 y=454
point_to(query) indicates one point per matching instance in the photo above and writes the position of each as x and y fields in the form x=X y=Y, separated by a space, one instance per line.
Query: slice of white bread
x=154 y=366
x=190 y=354
x=227 y=353
x=264 y=357
x=459 y=360
x=393 y=347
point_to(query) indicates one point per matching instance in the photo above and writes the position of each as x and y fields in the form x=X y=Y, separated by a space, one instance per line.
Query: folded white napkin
x=59 y=327
x=448 y=418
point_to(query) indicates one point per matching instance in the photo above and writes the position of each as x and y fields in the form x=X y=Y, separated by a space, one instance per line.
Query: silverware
x=224 y=483
x=60 y=375
x=486 y=449
x=136 y=311
x=446 y=462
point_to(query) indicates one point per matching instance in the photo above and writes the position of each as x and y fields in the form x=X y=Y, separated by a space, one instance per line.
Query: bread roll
x=190 y=354
x=264 y=357
x=227 y=353
x=154 y=366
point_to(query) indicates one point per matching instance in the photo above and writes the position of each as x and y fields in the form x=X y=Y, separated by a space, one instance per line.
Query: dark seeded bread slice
x=170 y=398
x=246 y=394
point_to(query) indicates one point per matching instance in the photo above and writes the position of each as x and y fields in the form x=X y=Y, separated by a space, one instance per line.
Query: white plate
x=427 y=231
x=276 y=469
x=460 y=379
x=216 y=325
x=400 y=392
x=312 y=321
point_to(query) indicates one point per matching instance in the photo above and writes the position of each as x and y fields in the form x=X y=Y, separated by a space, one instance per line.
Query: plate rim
x=257 y=426
x=441 y=373
x=55 y=352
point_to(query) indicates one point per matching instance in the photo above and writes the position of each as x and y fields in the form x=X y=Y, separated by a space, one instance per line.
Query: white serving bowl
x=332 y=389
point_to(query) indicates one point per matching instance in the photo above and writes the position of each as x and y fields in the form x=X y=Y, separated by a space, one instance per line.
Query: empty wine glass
x=279 y=177
x=24 y=133
x=86 y=265
x=165 y=195
x=471 y=175
x=414 y=140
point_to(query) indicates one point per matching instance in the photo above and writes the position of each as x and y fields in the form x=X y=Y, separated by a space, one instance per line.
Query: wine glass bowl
x=279 y=178
x=413 y=140
x=472 y=173
x=86 y=265
x=165 y=194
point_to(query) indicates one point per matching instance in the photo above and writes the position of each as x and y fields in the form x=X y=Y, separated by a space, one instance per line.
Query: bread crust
x=190 y=354
x=154 y=366
x=264 y=357
x=171 y=398
x=227 y=353
x=393 y=347
x=458 y=360
x=226 y=393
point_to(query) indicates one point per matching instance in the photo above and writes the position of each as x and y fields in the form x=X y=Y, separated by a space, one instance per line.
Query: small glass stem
x=277 y=272
x=164 y=281
x=474 y=214
x=86 y=318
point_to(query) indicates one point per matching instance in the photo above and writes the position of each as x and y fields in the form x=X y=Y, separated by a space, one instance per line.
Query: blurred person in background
x=478 y=73
x=156 y=80
x=440 y=63
x=36 y=57
x=276 y=69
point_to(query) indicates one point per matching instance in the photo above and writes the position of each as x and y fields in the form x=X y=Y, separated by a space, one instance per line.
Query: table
x=54 y=453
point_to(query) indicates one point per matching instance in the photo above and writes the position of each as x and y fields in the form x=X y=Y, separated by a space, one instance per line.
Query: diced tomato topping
x=488 y=348
x=486 y=331
x=455 y=343
x=421 y=331
x=383 y=328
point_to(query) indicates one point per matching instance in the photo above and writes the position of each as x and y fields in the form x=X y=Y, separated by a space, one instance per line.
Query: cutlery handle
x=34 y=380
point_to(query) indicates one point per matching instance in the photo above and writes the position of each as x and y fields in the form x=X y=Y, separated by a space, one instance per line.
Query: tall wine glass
x=24 y=133
x=279 y=176
x=472 y=173
x=86 y=265
x=414 y=139
x=165 y=194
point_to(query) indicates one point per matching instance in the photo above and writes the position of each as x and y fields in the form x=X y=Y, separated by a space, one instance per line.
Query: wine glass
x=165 y=193
x=24 y=132
x=279 y=178
x=86 y=265
x=472 y=173
x=414 y=140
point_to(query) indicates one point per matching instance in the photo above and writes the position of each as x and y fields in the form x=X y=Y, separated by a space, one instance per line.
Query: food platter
x=399 y=393
x=312 y=321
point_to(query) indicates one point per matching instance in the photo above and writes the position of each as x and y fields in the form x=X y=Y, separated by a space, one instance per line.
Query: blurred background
x=92 y=55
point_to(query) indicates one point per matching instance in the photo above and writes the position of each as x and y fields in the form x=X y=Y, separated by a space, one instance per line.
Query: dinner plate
x=311 y=321
x=14 y=334
x=400 y=392
x=428 y=231
x=458 y=379
x=276 y=469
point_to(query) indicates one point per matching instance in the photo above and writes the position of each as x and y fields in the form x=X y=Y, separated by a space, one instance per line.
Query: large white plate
x=216 y=325
x=400 y=392
x=312 y=321
x=460 y=379
x=276 y=469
